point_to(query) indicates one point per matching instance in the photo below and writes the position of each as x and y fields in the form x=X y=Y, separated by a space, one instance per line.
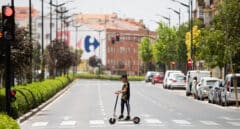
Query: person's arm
x=121 y=91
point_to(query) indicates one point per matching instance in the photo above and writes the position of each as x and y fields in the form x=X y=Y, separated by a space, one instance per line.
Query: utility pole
x=76 y=46
x=51 y=23
x=43 y=66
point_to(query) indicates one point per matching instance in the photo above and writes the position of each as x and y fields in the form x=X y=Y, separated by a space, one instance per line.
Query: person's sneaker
x=128 y=118
x=120 y=117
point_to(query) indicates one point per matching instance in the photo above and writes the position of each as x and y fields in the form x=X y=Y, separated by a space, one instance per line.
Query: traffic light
x=118 y=36
x=8 y=23
x=3 y=49
x=113 y=40
x=13 y=95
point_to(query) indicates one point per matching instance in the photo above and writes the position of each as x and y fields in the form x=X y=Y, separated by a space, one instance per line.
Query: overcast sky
x=148 y=10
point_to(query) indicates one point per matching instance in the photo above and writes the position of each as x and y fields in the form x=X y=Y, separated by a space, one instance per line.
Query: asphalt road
x=88 y=104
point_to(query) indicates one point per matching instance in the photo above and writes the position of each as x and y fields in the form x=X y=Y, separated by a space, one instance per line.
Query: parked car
x=203 y=87
x=158 y=77
x=149 y=75
x=215 y=92
x=166 y=80
x=177 y=80
x=189 y=77
x=228 y=93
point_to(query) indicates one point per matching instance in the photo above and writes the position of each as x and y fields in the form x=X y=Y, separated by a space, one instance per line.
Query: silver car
x=177 y=80
x=204 y=87
x=228 y=93
x=215 y=92
x=149 y=76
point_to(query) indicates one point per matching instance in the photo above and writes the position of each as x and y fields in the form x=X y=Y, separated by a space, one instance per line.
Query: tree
x=181 y=47
x=227 y=21
x=145 y=50
x=212 y=48
x=94 y=61
x=59 y=58
x=164 y=49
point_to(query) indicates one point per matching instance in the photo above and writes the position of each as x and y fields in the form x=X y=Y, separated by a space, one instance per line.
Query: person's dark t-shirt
x=126 y=95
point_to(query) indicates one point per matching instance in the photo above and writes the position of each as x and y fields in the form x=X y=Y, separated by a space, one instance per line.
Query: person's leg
x=128 y=107
x=128 y=110
x=122 y=109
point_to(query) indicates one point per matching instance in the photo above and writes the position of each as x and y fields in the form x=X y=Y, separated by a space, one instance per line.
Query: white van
x=190 y=75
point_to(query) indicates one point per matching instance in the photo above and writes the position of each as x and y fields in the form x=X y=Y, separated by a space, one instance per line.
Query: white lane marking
x=68 y=123
x=100 y=101
x=228 y=118
x=153 y=121
x=39 y=124
x=209 y=123
x=96 y=122
x=182 y=122
x=234 y=123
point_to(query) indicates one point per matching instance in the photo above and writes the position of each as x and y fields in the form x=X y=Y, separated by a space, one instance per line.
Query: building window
x=47 y=36
x=39 y=25
x=38 y=36
x=52 y=24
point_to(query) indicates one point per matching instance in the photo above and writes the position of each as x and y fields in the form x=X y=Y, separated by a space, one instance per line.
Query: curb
x=43 y=105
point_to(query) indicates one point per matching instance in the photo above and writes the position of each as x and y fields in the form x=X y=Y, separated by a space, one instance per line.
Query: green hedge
x=108 y=77
x=7 y=122
x=32 y=95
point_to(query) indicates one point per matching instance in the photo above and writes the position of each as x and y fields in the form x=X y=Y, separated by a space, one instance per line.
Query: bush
x=108 y=77
x=7 y=122
x=32 y=95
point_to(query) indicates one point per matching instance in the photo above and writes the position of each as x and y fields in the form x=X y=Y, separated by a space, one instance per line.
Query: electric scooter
x=113 y=120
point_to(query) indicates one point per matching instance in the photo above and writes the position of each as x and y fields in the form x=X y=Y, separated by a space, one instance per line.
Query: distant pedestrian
x=194 y=86
x=125 y=91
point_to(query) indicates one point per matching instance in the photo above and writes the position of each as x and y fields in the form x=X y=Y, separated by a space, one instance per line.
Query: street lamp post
x=56 y=8
x=179 y=15
x=190 y=19
x=169 y=20
x=166 y=18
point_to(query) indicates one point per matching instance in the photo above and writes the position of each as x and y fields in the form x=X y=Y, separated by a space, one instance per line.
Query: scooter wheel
x=136 y=120
x=112 y=121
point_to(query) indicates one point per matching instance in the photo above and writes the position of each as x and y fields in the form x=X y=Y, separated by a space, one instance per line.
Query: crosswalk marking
x=39 y=124
x=96 y=122
x=153 y=121
x=182 y=122
x=209 y=123
x=148 y=122
x=227 y=118
x=68 y=123
x=234 y=123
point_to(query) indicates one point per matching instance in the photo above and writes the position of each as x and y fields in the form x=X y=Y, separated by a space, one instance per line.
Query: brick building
x=122 y=56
